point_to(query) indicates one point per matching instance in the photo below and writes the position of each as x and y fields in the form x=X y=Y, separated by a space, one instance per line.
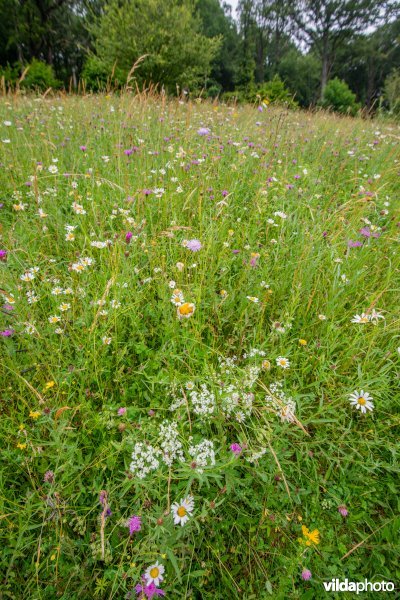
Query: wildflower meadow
x=200 y=349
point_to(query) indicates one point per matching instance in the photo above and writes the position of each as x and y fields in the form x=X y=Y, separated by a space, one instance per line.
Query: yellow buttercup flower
x=34 y=414
x=49 y=385
x=21 y=446
x=303 y=342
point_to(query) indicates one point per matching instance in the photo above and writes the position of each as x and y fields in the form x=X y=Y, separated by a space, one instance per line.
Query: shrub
x=273 y=92
x=98 y=77
x=339 y=97
x=392 y=92
x=10 y=74
x=39 y=76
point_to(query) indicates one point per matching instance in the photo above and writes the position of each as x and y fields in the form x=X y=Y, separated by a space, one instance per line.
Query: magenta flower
x=3 y=255
x=343 y=510
x=306 y=574
x=7 y=332
x=128 y=236
x=354 y=244
x=193 y=245
x=236 y=449
x=135 y=524
x=121 y=411
x=148 y=591
x=83 y=148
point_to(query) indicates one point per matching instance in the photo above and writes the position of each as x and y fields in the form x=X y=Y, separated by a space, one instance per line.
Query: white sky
x=234 y=4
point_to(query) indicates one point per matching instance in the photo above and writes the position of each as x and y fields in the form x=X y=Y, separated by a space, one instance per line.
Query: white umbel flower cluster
x=283 y=406
x=203 y=401
x=203 y=454
x=144 y=460
x=170 y=444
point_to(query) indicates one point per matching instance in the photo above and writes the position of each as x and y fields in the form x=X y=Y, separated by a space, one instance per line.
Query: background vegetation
x=188 y=46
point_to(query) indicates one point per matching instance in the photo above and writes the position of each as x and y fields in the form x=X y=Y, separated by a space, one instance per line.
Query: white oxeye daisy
x=154 y=574
x=252 y=299
x=54 y=319
x=106 y=340
x=283 y=362
x=189 y=385
x=362 y=401
x=177 y=297
x=182 y=510
x=363 y=318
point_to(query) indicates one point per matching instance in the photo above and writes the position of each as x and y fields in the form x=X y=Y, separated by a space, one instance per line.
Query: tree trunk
x=325 y=64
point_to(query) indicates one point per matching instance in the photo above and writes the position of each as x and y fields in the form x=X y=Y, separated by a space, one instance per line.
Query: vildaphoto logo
x=336 y=585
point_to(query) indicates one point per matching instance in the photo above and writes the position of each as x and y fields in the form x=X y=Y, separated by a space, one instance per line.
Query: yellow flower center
x=181 y=511
x=186 y=309
x=154 y=572
x=362 y=401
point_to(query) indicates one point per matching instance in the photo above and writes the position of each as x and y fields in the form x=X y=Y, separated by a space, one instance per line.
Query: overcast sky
x=234 y=4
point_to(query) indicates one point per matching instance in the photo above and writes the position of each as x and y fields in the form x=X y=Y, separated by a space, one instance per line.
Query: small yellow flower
x=53 y=557
x=223 y=293
x=34 y=414
x=230 y=232
x=21 y=446
x=49 y=385
x=21 y=427
x=311 y=537
x=266 y=365
x=164 y=556
x=303 y=342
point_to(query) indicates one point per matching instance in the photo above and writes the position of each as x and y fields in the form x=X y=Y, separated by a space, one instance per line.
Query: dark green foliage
x=39 y=76
x=273 y=92
x=339 y=97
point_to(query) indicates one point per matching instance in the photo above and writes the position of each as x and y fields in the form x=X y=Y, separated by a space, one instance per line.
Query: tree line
x=300 y=51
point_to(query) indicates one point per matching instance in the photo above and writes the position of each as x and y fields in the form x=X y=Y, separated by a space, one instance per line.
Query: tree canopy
x=197 y=45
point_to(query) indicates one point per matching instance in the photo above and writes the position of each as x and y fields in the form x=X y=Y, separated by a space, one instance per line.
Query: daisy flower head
x=252 y=299
x=361 y=319
x=182 y=510
x=362 y=401
x=177 y=297
x=282 y=362
x=185 y=310
x=154 y=574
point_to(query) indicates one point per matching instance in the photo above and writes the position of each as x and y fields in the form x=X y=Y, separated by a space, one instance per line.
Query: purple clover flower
x=236 y=449
x=135 y=524
x=306 y=574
